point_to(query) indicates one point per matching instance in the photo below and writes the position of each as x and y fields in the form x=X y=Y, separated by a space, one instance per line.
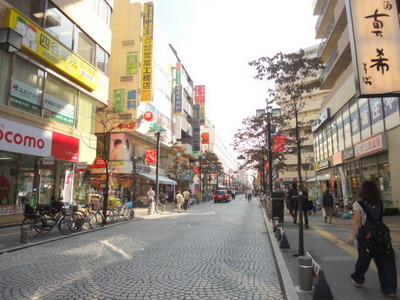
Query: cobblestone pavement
x=212 y=251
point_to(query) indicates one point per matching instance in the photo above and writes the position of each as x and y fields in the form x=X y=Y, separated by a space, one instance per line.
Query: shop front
x=36 y=165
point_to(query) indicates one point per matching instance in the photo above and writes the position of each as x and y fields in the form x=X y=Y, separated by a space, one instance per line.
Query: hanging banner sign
x=374 y=39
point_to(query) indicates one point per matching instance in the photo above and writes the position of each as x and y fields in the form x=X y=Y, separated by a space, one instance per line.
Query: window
x=58 y=25
x=101 y=59
x=85 y=47
x=32 y=8
x=105 y=12
x=26 y=86
x=86 y=114
x=59 y=101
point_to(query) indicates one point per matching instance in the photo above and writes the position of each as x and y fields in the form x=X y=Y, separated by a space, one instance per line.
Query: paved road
x=213 y=251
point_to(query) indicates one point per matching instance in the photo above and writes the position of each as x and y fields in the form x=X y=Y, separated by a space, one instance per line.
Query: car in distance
x=222 y=196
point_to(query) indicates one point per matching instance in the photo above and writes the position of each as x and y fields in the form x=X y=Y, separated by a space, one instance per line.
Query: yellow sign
x=41 y=44
x=147 y=53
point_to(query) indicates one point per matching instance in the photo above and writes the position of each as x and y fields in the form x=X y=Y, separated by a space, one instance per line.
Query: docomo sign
x=20 y=138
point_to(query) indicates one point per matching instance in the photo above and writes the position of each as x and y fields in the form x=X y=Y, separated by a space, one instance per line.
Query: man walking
x=186 y=197
x=327 y=204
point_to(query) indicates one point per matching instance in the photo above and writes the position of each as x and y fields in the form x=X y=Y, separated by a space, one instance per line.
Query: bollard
x=322 y=289
x=305 y=273
x=279 y=230
x=284 y=244
x=24 y=238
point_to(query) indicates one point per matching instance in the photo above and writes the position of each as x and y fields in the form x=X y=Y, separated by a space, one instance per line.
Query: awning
x=161 y=179
x=318 y=178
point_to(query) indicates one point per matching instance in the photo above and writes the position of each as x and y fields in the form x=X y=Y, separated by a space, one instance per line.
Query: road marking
x=9 y=234
x=349 y=249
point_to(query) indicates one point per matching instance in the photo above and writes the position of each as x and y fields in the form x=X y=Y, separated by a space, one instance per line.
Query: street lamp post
x=269 y=146
x=157 y=133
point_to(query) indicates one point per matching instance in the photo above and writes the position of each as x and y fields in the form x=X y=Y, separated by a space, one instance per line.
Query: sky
x=216 y=39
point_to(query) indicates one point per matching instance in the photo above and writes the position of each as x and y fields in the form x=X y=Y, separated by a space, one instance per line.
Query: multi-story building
x=49 y=90
x=151 y=91
x=309 y=112
x=357 y=138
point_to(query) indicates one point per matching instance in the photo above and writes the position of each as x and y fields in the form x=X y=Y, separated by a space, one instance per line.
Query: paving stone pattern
x=212 y=251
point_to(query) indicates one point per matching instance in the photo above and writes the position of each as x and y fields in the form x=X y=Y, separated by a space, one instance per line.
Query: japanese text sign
x=374 y=38
x=43 y=45
x=147 y=53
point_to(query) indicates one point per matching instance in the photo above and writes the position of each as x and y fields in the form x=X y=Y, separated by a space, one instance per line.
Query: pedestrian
x=305 y=207
x=179 y=201
x=327 y=206
x=369 y=195
x=293 y=199
x=150 y=198
x=233 y=193
x=186 y=197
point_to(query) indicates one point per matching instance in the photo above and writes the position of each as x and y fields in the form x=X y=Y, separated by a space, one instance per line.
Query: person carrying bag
x=367 y=214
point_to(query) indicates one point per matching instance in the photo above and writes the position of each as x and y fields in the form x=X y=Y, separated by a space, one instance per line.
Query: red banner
x=151 y=156
x=196 y=170
x=205 y=138
x=279 y=142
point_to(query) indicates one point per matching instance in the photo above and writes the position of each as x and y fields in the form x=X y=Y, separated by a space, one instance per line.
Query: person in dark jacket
x=292 y=202
x=369 y=195
x=327 y=204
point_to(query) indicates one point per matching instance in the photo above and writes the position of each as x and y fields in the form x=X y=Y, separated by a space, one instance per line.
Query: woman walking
x=370 y=198
x=327 y=205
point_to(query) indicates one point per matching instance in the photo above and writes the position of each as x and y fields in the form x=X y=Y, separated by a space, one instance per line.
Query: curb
x=285 y=279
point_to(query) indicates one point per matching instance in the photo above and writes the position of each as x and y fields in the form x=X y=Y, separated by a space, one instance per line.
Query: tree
x=210 y=164
x=296 y=76
x=107 y=120
x=179 y=160
x=251 y=142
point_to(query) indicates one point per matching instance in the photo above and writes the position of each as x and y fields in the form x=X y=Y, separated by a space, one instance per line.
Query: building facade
x=356 y=138
x=49 y=91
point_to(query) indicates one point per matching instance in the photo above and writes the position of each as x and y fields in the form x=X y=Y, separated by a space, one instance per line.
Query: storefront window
x=59 y=101
x=16 y=177
x=86 y=113
x=46 y=186
x=26 y=86
x=5 y=59
x=385 y=182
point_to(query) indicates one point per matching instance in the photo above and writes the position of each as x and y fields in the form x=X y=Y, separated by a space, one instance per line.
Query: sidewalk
x=10 y=236
x=326 y=243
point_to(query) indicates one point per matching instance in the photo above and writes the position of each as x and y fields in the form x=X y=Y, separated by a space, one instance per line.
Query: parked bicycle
x=47 y=217
x=92 y=219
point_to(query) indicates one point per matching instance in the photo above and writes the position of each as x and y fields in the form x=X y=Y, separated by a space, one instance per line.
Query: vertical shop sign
x=118 y=100
x=131 y=63
x=147 y=53
x=199 y=92
x=178 y=73
x=178 y=100
x=196 y=129
x=374 y=40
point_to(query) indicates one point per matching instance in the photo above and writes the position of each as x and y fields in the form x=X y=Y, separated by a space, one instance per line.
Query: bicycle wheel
x=83 y=219
x=29 y=221
x=128 y=213
x=110 y=215
x=78 y=221
x=95 y=219
x=65 y=225
x=43 y=224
